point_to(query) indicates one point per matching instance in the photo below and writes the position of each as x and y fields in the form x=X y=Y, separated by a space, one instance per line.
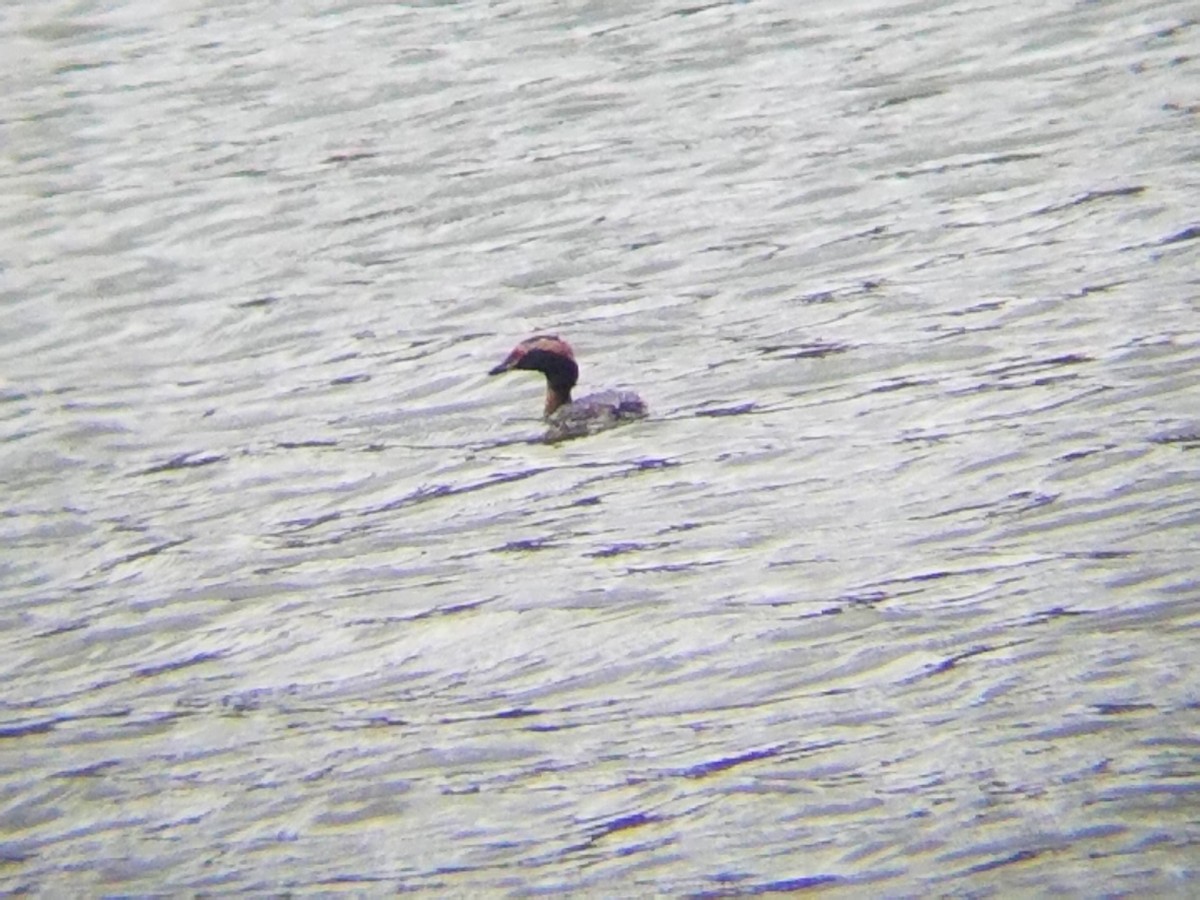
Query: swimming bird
x=567 y=418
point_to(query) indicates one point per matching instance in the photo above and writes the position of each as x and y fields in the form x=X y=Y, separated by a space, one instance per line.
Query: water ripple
x=895 y=590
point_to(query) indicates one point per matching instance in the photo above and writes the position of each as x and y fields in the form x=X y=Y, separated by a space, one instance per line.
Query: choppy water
x=896 y=592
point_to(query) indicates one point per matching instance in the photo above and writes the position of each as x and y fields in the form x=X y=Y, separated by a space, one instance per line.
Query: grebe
x=567 y=418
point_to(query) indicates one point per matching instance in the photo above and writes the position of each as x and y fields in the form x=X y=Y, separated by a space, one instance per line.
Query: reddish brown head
x=554 y=358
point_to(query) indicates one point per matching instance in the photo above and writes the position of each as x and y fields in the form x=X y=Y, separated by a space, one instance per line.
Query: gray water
x=894 y=593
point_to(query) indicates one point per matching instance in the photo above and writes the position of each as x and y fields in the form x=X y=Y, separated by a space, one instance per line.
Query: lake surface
x=896 y=592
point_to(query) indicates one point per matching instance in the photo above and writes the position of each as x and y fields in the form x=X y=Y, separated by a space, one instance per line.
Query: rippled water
x=895 y=592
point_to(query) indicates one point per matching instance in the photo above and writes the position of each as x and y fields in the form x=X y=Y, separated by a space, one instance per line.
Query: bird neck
x=561 y=374
x=556 y=395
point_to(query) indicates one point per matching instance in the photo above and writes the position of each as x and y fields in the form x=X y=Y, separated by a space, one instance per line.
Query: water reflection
x=893 y=591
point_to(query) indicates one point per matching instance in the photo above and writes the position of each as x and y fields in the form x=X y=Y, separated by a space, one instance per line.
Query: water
x=894 y=592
